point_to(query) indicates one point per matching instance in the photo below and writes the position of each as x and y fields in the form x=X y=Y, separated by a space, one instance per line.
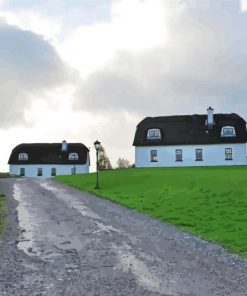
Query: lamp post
x=96 y=146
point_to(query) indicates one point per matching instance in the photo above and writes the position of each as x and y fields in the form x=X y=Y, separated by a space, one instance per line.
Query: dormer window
x=23 y=156
x=228 y=131
x=73 y=156
x=154 y=133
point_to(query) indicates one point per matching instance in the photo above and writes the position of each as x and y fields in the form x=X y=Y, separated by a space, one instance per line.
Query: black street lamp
x=96 y=146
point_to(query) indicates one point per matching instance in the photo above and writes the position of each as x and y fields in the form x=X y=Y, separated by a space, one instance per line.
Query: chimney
x=210 y=120
x=64 y=146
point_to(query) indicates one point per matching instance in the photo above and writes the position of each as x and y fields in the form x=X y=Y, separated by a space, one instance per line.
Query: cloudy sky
x=82 y=70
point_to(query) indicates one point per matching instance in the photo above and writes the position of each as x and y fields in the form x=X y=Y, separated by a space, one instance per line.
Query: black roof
x=190 y=130
x=48 y=153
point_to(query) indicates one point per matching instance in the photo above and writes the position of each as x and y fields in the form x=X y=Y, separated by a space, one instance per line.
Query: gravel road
x=61 y=241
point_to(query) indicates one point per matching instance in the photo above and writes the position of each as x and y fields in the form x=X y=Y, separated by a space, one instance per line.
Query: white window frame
x=199 y=154
x=179 y=154
x=154 y=156
x=228 y=153
x=73 y=156
x=225 y=131
x=23 y=156
x=154 y=133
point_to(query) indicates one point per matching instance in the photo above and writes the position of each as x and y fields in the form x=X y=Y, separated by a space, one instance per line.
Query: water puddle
x=71 y=201
x=77 y=204
x=128 y=262
x=106 y=228
x=26 y=242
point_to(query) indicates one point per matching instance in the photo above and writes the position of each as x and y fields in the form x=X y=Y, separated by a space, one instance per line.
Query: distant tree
x=104 y=162
x=123 y=163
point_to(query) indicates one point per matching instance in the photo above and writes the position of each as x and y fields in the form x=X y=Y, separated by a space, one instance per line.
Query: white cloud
x=34 y=22
x=2 y=2
x=202 y=62
x=135 y=25
x=138 y=25
x=244 y=5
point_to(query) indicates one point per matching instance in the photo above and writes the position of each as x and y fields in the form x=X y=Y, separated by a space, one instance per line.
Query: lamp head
x=96 y=145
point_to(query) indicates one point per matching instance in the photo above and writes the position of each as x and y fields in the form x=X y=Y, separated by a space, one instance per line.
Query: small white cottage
x=191 y=140
x=49 y=159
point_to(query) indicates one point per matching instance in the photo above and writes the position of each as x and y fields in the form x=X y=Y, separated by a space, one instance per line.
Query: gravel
x=60 y=241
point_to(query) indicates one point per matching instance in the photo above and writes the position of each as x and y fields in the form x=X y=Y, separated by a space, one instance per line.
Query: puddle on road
x=79 y=206
x=71 y=201
x=30 y=225
x=47 y=185
x=64 y=242
x=128 y=262
x=106 y=228
x=26 y=243
x=59 y=236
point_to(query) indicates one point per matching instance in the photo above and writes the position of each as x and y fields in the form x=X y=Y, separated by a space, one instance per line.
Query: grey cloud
x=29 y=66
x=204 y=63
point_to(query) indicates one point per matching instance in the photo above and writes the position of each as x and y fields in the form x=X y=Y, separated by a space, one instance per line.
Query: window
x=153 y=133
x=73 y=171
x=154 y=156
x=73 y=156
x=228 y=153
x=228 y=131
x=22 y=172
x=179 y=155
x=53 y=172
x=199 y=154
x=23 y=156
x=40 y=172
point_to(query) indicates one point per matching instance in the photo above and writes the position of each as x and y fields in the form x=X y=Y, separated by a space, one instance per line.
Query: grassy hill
x=207 y=201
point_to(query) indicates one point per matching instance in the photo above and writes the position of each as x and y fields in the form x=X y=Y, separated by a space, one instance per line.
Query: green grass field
x=2 y=212
x=210 y=202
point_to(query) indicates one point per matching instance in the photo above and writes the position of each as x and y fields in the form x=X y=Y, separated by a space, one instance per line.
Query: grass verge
x=5 y=175
x=208 y=201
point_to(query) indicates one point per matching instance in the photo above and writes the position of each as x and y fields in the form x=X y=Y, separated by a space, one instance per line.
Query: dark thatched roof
x=47 y=153
x=190 y=130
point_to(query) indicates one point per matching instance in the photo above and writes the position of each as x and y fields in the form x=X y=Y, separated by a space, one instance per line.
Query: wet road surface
x=62 y=241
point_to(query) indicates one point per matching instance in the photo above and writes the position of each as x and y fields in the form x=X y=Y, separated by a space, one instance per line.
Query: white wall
x=213 y=155
x=32 y=169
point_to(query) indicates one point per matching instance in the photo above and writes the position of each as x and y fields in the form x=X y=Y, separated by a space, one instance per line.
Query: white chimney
x=64 y=146
x=210 y=119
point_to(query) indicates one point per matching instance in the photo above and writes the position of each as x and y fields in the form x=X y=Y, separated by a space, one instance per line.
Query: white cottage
x=49 y=159
x=191 y=140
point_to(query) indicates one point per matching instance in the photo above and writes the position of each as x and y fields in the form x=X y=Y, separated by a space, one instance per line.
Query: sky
x=82 y=70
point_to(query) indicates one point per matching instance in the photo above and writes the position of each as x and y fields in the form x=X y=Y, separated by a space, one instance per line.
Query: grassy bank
x=4 y=175
x=2 y=212
x=210 y=201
